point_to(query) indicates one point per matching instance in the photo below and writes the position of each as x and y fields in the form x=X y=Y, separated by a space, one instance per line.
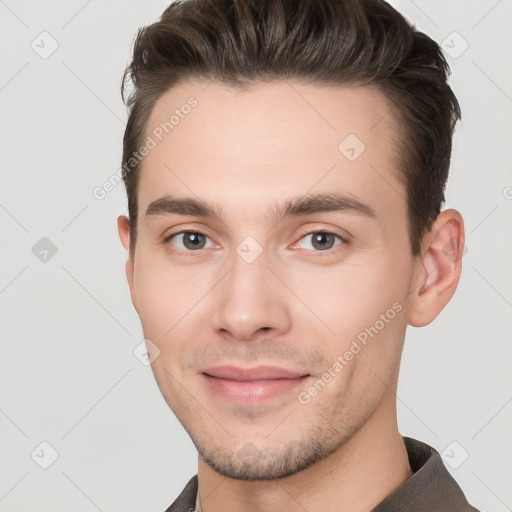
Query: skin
x=298 y=305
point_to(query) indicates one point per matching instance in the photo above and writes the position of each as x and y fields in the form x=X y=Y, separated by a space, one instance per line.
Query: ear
x=123 y=228
x=438 y=269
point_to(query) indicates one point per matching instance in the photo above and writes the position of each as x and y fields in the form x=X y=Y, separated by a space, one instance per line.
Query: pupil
x=321 y=238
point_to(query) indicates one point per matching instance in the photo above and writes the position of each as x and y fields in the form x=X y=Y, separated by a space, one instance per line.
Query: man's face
x=257 y=287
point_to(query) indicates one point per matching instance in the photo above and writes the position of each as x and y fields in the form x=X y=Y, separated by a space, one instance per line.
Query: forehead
x=240 y=146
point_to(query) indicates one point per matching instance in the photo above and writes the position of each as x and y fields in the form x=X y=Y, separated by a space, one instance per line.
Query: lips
x=252 y=386
x=253 y=374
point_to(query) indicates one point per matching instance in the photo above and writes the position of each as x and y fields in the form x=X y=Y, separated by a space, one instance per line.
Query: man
x=285 y=162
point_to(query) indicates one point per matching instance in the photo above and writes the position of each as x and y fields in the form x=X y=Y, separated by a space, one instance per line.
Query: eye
x=322 y=241
x=189 y=240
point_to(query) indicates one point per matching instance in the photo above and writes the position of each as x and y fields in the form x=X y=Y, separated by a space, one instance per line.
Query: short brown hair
x=324 y=42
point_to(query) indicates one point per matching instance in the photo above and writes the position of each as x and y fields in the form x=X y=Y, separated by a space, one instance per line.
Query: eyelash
x=338 y=248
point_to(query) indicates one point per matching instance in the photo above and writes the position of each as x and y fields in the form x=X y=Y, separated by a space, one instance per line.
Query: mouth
x=252 y=386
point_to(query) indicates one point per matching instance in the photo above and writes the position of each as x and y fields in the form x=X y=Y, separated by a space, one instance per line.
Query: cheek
x=363 y=317
x=161 y=291
x=353 y=296
x=169 y=303
x=152 y=294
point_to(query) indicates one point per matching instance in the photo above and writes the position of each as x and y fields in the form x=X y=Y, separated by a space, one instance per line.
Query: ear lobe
x=123 y=228
x=439 y=268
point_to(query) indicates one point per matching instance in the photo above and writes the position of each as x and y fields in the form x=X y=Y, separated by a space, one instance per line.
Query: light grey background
x=68 y=330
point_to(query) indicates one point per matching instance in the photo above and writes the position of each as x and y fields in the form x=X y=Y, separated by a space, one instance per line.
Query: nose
x=250 y=301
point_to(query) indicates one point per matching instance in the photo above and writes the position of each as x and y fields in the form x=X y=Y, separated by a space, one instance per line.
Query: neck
x=356 y=477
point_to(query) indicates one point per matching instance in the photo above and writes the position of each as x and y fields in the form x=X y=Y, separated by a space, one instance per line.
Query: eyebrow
x=296 y=206
x=181 y=206
x=317 y=203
